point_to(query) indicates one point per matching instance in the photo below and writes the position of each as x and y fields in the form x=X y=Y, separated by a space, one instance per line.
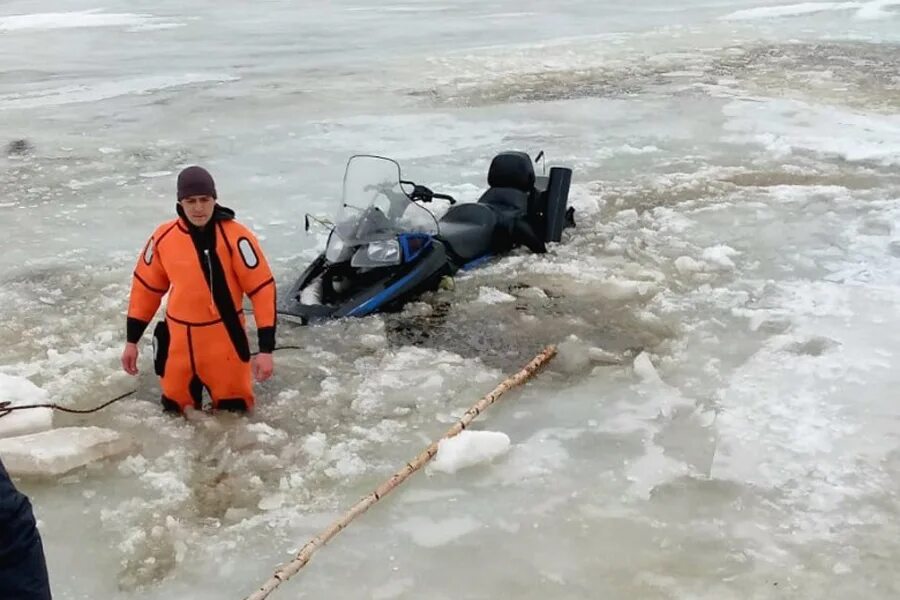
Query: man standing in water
x=23 y=569
x=207 y=262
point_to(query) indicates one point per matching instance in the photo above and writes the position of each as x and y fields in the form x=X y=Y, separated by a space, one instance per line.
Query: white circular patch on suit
x=248 y=253
x=148 y=252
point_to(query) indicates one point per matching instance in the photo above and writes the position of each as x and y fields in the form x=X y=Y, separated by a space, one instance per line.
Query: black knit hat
x=195 y=181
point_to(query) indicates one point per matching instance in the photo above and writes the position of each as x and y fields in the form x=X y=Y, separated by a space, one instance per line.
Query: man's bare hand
x=263 y=366
x=129 y=359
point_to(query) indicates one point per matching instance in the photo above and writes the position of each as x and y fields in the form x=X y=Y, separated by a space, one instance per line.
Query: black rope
x=5 y=407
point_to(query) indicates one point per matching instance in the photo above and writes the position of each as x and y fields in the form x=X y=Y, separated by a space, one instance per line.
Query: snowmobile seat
x=468 y=230
x=513 y=197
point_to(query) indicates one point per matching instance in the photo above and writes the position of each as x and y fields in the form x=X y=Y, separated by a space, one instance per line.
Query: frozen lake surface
x=722 y=419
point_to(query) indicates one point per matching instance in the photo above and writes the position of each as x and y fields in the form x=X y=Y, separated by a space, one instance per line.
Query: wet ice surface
x=720 y=422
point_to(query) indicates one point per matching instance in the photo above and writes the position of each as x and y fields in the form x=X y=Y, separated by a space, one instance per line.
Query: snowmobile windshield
x=374 y=206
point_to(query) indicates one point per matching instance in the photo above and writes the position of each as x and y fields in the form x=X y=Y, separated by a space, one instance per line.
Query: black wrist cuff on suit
x=134 y=329
x=266 y=336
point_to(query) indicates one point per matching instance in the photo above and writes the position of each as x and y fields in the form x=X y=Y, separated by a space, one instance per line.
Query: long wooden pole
x=290 y=569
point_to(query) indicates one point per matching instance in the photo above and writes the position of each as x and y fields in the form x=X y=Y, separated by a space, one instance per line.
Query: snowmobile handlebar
x=450 y=199
x=421 y=193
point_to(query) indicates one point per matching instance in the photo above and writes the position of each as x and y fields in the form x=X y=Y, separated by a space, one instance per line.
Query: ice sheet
x=58 y=451
x=74 y=20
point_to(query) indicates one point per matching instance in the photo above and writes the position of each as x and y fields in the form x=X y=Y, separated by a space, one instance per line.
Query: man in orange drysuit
x=206 y=261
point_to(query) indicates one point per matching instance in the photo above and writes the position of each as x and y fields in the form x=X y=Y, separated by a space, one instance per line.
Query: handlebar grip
x=450 y=199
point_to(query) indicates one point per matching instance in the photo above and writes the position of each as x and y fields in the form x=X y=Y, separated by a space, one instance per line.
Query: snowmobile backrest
x=512 y=170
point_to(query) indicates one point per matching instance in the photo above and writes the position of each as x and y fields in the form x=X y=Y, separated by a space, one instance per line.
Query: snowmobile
x=385 y=248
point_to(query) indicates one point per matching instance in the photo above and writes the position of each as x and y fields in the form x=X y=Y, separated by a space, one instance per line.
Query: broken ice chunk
x=469 y=448
x=58 y=451
x=19 y=391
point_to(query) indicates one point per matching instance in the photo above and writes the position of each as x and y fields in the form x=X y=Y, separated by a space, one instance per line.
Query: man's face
x=199 y=209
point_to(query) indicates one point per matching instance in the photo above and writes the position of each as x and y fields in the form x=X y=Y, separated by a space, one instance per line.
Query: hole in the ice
x=815 y=346
x=19 y=147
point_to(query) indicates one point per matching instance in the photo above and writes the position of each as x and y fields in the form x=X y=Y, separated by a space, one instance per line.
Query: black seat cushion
x=508 y=201
x=468 y=230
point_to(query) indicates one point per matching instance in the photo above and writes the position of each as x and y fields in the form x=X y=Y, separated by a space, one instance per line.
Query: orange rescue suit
x=202 y=343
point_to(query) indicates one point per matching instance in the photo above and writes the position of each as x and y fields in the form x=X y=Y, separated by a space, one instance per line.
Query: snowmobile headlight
x=336 y=251
x=377 y=254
